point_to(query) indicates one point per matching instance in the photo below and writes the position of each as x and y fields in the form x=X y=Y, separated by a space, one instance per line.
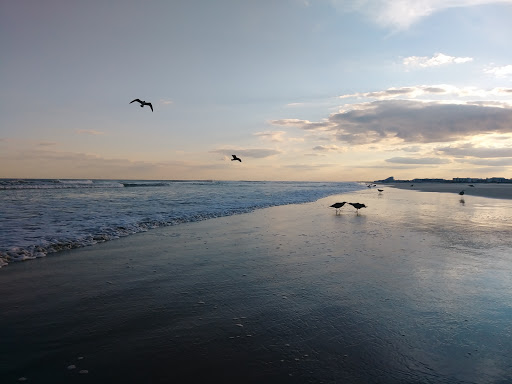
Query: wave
x=52 y=245
x=11 y=184
x=77 y=219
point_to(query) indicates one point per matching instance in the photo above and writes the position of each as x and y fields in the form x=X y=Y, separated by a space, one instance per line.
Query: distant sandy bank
x=498 y=191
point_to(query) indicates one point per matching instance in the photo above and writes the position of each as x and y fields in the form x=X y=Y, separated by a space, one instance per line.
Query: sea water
x=38 y=217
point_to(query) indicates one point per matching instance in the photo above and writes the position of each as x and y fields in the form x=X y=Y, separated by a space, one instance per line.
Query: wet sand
x=498 y=191
x=414 y=289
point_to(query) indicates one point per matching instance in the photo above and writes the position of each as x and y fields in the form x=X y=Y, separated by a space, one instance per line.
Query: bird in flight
x=380 y=190
x=338 y=206
x=236 y=158
x=142 y=103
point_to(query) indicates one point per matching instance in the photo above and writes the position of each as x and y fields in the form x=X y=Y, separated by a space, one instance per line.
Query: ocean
x=40 y=217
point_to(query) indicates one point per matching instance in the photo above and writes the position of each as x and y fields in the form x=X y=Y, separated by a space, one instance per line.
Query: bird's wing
x=234 y=157
x=138 y=100
x=150 y=106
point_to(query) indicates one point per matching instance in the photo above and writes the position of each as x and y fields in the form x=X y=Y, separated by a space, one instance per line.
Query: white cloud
x=166 y=102
x=417 y=91
x=500 y=72
x=271 y=135
x=434 y=61
x=401 y=14
x=410 y=92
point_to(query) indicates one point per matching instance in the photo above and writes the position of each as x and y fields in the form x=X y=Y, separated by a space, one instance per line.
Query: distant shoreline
x=492 y=190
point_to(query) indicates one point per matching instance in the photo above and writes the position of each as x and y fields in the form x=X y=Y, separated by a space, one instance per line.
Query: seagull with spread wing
x=143 y=103
x=236 y=158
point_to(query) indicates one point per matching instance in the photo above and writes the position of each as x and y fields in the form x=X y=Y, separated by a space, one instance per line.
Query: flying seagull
x=380 y=190
x=236 y=158
x=338 y=206
x=142 y=103
x=358 y=206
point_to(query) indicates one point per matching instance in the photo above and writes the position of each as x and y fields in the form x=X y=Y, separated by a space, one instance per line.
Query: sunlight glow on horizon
x=298 y=91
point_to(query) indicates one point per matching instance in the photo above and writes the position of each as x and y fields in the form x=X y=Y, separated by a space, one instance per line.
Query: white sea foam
x=46 y=216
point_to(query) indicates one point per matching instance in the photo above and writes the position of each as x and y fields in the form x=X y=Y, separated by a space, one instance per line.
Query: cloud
x=504 y=162
x=434 y=61
x=271 y=135
x=414 y=148
x=327 y=148
x=308 y=167
x=401 y=14
x=46 y=144
x=304 y=124
x=417 y=160
x=500 y=72
x=255 y=153
x=469 y=150
x=412 y=121
x=417 y=91
x=166 y=102
x=89 y=132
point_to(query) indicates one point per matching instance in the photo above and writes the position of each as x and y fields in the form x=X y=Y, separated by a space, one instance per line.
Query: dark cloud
x=418 y=160
x=417 y=122
x=468 y=150
x=255 y=153
x=326 y=148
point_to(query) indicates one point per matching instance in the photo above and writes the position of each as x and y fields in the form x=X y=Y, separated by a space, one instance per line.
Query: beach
x=498 y=191
x=415 y=288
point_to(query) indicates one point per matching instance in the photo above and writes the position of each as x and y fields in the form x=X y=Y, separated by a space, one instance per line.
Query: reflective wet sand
x=416 y=288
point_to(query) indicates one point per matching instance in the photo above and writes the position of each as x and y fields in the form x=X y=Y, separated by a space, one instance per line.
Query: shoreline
x=496 y=191
x=414 y=288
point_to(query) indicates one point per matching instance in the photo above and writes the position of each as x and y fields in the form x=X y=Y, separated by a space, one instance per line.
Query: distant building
x=496 y=180
x=429 y=180
x=468 y=180
x=391 y=179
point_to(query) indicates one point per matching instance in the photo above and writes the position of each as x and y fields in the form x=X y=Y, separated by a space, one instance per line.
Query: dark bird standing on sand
x=461 y=192
x=358 y=206
x=235 y=158
x=338 y=206
x=142 y=103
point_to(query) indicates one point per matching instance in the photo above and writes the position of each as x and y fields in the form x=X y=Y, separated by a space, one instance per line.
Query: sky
x=316 y=90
